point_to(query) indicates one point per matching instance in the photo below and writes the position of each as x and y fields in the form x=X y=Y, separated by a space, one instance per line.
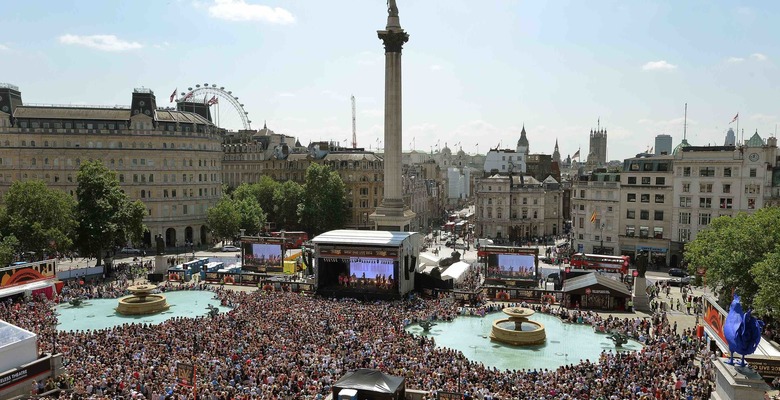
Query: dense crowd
x=289 y=345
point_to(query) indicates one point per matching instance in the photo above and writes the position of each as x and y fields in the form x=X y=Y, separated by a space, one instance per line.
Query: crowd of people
x=291 y=345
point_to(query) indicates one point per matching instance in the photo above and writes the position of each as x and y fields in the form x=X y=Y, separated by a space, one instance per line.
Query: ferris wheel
x=213 y=95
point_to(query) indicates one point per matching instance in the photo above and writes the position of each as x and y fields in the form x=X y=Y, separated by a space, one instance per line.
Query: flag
x=576 y=155
x=593 y=217
x=187 y=96
x=213 y=100
x=736 y=117
x=173 y=95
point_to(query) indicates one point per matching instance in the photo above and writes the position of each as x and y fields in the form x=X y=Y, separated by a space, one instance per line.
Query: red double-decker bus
x=293 y=238
x=601 y=262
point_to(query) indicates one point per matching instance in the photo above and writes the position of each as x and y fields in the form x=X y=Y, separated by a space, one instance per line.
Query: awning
x=593 y=283
x=21 y=288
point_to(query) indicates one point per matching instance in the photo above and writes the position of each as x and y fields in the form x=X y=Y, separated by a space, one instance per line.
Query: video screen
x=370 y=274
x=512 y=266
x=370 y=268
x=261 y=257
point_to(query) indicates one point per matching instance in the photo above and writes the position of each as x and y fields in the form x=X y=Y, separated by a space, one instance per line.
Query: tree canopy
x=224 y=218
x=740 y=254
x=324 y=205
x=42 y=219
x=106 y=216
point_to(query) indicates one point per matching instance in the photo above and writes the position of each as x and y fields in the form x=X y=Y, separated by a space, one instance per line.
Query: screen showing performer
x=358 y=273
x=512 y=266
x=261 y=257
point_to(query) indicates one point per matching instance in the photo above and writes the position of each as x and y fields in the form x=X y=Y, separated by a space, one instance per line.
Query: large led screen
x=512 y=266
x=261 y=257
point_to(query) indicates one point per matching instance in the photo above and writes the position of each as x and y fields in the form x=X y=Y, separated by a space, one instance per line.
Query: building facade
x=646 y=209
x=514 y=208
x=170 y=160
x=595 y=213
x=714 y=181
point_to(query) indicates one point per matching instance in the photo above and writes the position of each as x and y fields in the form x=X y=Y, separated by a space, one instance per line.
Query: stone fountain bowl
x=142 y=301
x=518 y=330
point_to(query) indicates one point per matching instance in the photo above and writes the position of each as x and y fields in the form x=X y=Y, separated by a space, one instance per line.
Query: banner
x=185 y=374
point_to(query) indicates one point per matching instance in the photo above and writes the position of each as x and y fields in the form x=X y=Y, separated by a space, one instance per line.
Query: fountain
x=142 y=301
x=518 y=330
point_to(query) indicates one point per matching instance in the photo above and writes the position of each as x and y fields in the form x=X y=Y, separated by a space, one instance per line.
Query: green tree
x=224 y=218
x=287 y=197
x=8 y=248
x=734 y=251
x=252 y=217
x=106 y=216
x=324 y=205
x=41 y=218
x=264 y=191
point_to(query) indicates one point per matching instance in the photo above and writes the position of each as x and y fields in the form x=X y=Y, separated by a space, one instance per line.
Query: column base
x=392 y=219
x=737 y=383
x=641 y=299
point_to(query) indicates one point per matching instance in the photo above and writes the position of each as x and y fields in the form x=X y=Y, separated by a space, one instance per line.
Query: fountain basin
x=518 y=330
x=142 y=301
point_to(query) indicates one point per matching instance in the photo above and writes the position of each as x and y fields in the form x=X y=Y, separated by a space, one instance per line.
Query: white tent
x=426 y=260
x=456 y=271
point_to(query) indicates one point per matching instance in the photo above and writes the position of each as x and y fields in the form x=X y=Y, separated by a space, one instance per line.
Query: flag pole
x=743 y=134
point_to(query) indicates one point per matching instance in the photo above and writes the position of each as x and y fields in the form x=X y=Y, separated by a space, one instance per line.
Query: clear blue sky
x=474 y=71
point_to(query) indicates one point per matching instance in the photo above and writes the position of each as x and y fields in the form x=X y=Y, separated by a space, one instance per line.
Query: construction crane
x=354 y=129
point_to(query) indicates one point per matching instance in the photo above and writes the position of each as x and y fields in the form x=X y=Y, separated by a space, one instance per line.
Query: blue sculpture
x=742 y=331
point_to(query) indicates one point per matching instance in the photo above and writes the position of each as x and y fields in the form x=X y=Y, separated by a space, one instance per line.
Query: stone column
x=391 y=214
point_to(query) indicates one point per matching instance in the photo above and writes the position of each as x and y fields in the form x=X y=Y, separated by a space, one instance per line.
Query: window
x=725 y=203
x=685 y=201
x=630 y=214
x=659 y=198
x=751 y=204
x=705 y=218
x=685 y=217
x=683 y=234
x=630 y=230
x=582 y=195
x=631 y=197
x=705 y=202
x=660 y=180
x=705 y=188
x=686 y=171
x=686 y=187
x=644 y=231
x=647 y=166
x=726 y=188
x=658 y=215
x=644 y=215
x=632 y=180
x=752 y=189
x=645 y=198
x=658 y=232
x=706 y=171
x=645 y=180
x=727 y=172
x=634 y=167
x=752 y=172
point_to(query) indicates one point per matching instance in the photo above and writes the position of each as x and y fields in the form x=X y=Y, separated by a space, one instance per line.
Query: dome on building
x=446 y=150
x=681 y=146
x=461 y=153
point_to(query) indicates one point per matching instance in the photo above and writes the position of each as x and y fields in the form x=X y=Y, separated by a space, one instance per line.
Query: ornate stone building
x=170 y=160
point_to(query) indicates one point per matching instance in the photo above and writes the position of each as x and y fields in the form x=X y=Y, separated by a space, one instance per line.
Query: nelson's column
x=392 y=215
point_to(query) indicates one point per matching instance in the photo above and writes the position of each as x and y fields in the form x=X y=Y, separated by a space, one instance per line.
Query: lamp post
x=601 y=248
x=53 y=348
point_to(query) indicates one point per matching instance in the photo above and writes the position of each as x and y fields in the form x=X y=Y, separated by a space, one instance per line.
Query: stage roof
x=359 y=237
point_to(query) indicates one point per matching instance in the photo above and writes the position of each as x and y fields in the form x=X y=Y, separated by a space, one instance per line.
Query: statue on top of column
x=392 y=8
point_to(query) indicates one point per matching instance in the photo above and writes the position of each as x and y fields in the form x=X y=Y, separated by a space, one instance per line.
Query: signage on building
x=651 y=249
x=342 y=252
x=27 y=372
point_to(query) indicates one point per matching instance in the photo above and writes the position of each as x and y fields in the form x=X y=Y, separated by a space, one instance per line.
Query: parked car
x=230 y=248
x=130 y=250
x=677 y=272
x=686 y=280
